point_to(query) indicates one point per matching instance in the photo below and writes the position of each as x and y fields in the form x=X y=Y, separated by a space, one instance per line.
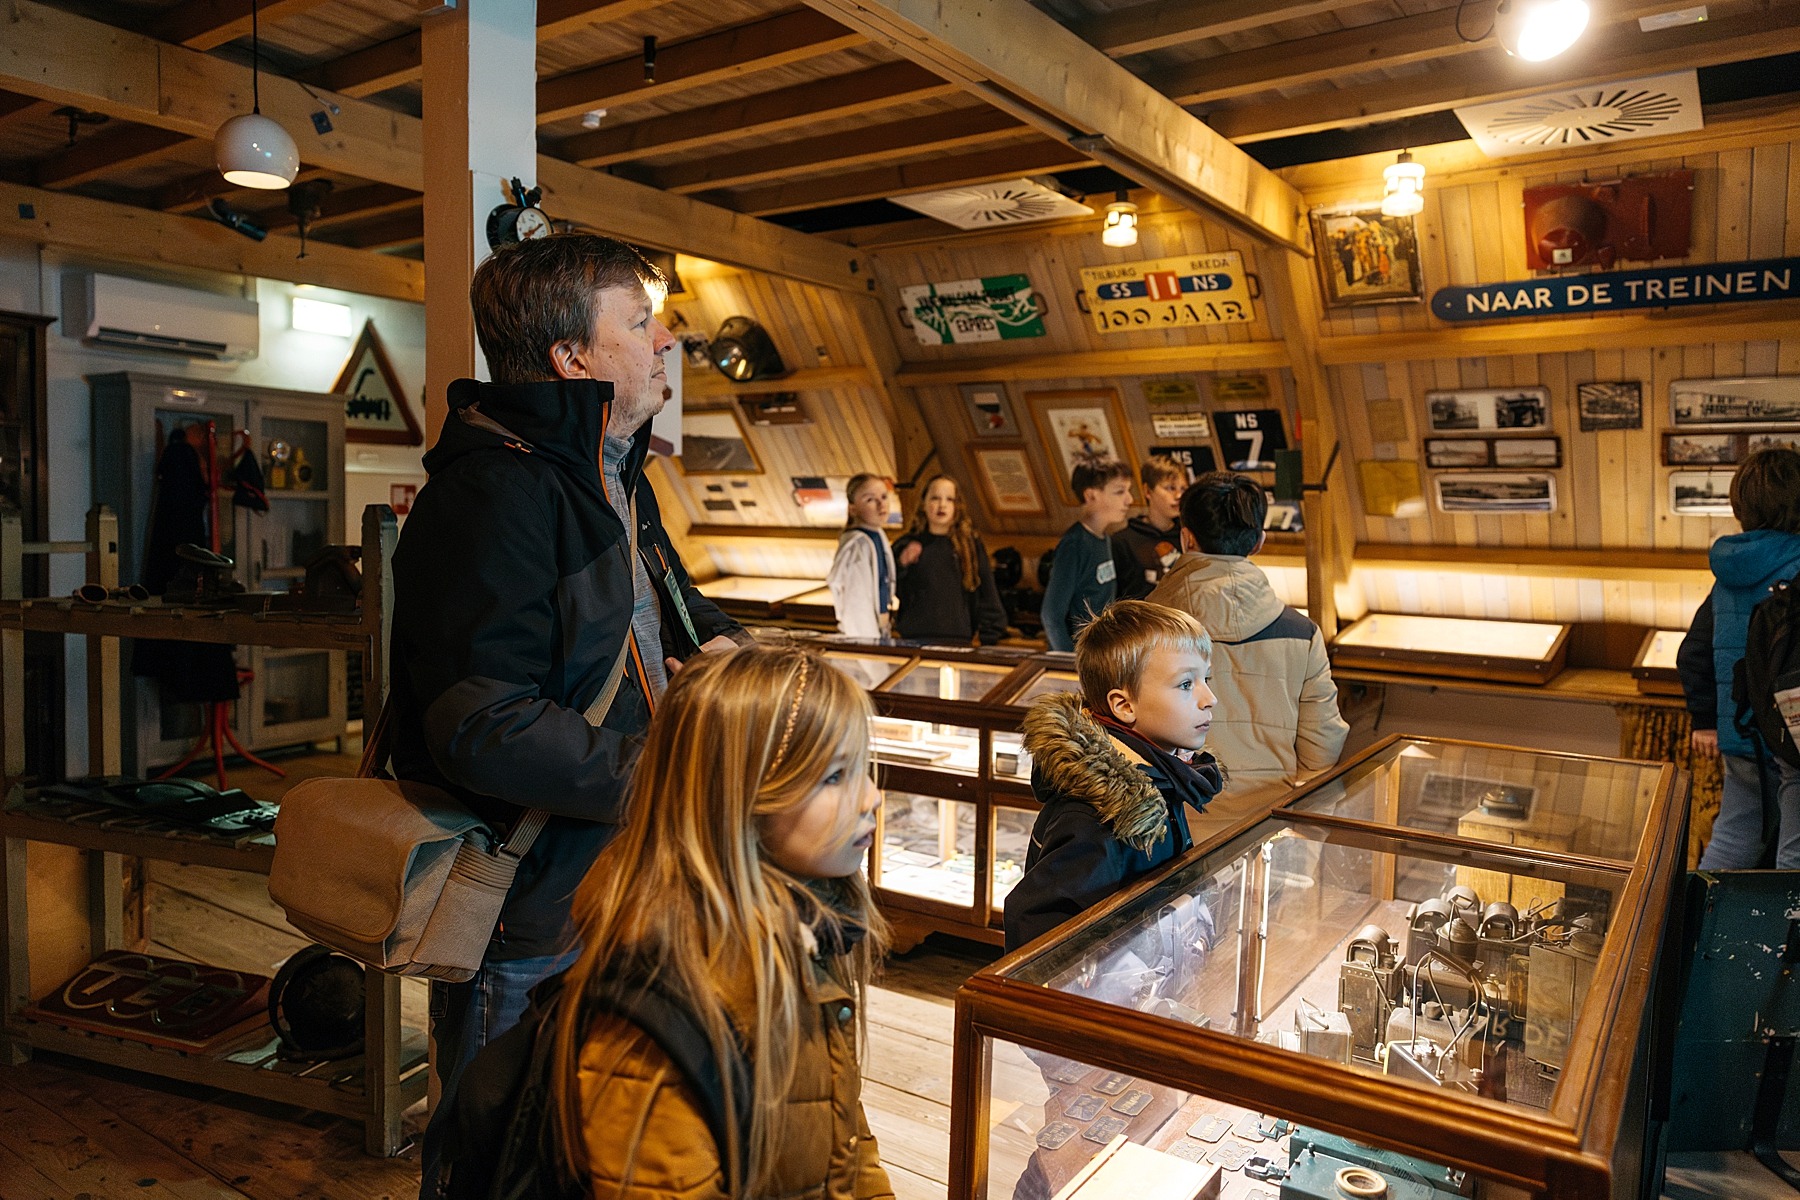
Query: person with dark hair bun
x=1765 y=499
x=947 y=591
x=1278 y=718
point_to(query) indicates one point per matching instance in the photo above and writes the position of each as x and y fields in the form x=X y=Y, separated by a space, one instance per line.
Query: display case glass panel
x=941 y=680
x=1047 y=683
x=1586 y=806
x=900 y=741
x=1361 y=952
x=1659 y=649
x=927 y=847
x=1011 y=759
x=756 y=589
x=1511 y=651
x=865 y=670
x=1011 y=840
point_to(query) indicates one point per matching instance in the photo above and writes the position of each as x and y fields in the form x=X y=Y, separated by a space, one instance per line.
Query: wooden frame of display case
x=1654 y=680
x=911 y=917
x=1569 y=1152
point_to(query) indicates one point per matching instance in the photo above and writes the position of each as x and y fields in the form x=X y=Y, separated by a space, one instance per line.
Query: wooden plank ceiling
x=765 y=108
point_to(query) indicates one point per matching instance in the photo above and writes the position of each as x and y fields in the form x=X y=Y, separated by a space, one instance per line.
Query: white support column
x=480 y=113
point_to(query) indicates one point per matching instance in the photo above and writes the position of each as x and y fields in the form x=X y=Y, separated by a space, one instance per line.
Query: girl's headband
x=787 y=732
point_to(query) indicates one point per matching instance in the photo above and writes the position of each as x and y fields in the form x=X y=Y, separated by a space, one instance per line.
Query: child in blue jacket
x=1765 y=499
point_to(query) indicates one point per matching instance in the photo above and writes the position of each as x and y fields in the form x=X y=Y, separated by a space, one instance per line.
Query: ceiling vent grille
x=987 y=205
x=1582 y=117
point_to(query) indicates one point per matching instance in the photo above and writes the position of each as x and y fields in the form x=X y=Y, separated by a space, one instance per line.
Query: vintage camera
x=1368 y=989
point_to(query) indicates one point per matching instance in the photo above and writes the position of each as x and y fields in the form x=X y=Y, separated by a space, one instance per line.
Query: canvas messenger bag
x=401 y=875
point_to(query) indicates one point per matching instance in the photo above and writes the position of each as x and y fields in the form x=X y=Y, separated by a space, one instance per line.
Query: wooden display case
x=957 y=807
x=1318 y=995
x=1654 y=667
x=1508 y=651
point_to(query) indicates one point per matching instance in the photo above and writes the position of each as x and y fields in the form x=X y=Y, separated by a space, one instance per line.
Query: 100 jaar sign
x=1166 y=293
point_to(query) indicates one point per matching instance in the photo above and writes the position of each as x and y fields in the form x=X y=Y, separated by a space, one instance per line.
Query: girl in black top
x=946 y=585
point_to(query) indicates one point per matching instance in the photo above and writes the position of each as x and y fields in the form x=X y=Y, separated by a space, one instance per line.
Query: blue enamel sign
x=1657 y=287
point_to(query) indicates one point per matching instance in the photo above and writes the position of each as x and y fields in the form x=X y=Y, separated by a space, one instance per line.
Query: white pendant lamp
x=252 y=150
x=1405 y=192
x=1535 y=30
x=1121 y=224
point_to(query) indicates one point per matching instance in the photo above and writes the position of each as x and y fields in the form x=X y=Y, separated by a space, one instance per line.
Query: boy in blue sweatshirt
x=1765 y=499
x=1082 y=576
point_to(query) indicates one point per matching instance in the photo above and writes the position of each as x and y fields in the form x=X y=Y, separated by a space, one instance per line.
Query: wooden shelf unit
x=395 y=1060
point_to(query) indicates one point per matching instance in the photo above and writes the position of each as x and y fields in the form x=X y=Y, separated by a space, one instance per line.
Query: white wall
x=32 y=279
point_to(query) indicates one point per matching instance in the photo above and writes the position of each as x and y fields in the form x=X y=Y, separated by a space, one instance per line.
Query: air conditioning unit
x=116 y=311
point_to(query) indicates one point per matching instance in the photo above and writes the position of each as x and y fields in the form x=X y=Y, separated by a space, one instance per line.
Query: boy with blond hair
x=1117 y=767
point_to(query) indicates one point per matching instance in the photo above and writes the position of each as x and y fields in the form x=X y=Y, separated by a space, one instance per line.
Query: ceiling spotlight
x=592 y=117
x=1535 y=30
x=1121 y=224
x=1405 y=194
x=743 y=351
x=251 y=150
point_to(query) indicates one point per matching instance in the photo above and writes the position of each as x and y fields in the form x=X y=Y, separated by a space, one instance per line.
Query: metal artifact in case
x=957 y=808
x=1506 y=651
x=1426 y=975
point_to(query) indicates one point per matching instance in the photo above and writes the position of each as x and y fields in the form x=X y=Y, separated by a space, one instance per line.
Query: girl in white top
x=862 y=575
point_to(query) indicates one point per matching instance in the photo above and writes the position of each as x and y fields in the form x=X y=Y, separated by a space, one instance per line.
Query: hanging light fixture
x=1121 y=222
x=1535 y=30
x=253 y=150
x=1405 y=193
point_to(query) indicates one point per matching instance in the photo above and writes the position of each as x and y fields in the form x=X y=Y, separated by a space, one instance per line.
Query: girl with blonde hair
x=863 y=570
x=736 y=889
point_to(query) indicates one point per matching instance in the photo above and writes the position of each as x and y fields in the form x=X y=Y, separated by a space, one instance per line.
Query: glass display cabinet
x=1430 y=974
x=1507 y=651
x=1654 y=667
x=957 y=808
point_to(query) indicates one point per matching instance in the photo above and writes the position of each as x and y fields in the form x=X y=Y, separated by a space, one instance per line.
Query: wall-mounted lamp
x=321 y=316
x=1121 y=224
x=252 y=150
x=1535 y=30
x=1405 y=193
x=743 y=351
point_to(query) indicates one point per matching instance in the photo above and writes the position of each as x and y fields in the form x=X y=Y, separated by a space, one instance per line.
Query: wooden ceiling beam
x=196 y=191
x=142 y=235
x=1614 y=53
x=1021 y=61
x=863 y=147
x=777 y=41
x=1424 y=38
x=556 y=18
x=402 y=227
x=1164 y=23
x=56 y=55
x=12 y=104
x=106 y=153
x=879 y=183
x=343 y=208
x=369 y=70
x=760 y=115
x=203 y=24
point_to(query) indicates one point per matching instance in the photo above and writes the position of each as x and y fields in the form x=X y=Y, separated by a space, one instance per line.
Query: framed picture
x=1479 y=410
x=1770 y=441
x=375 y=407
x=714 y=442
x=1700 y=493
x=1366 y=257
x=1702 y=449
x=774 y=408
x=1004 y=473
x=1081 y=427
x=1457 y=452
x=1766 y=400
x=990 y=412
x=1527 y=452
x=1610 y=405
x=1475 y=492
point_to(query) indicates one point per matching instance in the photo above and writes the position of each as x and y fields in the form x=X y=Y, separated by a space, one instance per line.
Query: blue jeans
x=464 y=1018
x=1737 y=835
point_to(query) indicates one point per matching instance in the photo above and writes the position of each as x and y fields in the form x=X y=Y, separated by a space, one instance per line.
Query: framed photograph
x=1475 y=492
x=375 y=407
x=1770 y=441
x=774 y=408
x=1480 y=410
x=1007 y=484
x=1081 y=427
x=1702 y=449
x=714 y=442
x=1527 y=452
x=990 y=412
x=1610 y=405
x=1700 y=493
x=1457 y=452
x=1766 y=400
x=1365 y=257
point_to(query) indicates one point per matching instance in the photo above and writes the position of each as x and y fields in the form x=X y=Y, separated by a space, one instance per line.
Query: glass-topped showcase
x=1509 y=651
x=1654 y=668
x=1424 y=976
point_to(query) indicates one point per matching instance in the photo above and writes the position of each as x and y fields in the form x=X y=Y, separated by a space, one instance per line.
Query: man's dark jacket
x=512 y=596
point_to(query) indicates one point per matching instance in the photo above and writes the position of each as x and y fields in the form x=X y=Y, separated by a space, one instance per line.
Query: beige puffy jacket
x=1277 y=718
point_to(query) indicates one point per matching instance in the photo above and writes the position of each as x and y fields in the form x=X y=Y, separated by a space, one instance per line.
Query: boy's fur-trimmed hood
x=1078 y=758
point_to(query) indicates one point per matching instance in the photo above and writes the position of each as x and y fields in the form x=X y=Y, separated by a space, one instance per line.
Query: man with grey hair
x=516 y=593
